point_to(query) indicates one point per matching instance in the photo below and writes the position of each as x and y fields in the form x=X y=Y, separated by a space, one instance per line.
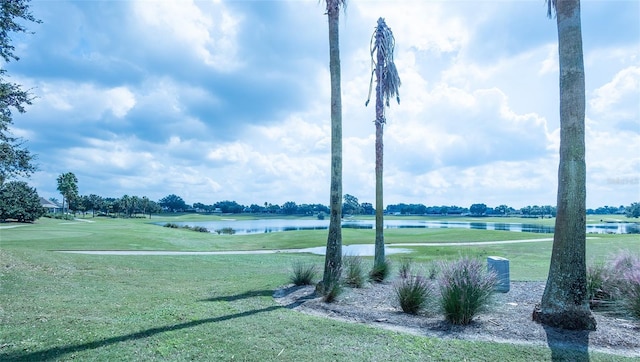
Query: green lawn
x=56 y=306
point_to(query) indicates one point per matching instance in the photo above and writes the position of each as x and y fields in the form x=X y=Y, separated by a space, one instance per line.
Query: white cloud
x=236 y=153
x=427 y=26
x=550 y=63
x=625 y=86
x=148 y=108
x=119 y=100
x=86 y=101
x=207 y=29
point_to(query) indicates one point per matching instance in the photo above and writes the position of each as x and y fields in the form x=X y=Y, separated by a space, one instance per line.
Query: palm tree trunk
x=379 y=257
x=564 y=302
x=333 y=256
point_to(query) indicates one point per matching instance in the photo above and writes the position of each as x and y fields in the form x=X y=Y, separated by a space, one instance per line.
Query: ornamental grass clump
x=625 y=278
x=632 y=299
x=413 y=293
x=380 y=271
x=404 y=270
x=303 y=273
x=331 y=293
x=597 y=279
x=331 y=288
x=465 y=287
x=614 y=286
x=355 y=275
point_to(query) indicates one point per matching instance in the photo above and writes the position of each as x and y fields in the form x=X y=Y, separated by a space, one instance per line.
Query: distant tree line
x=125 y=206
x=351 y=206
x=20 y=202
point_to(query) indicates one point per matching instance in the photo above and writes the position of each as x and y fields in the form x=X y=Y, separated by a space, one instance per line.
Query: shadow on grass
x=568 y=345
x=57 y=352
x=231 y=298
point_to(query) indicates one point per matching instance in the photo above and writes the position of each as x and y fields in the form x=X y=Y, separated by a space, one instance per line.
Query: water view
x=243 y=227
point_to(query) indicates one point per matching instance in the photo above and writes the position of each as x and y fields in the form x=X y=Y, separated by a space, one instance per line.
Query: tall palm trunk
x=333 y=256
x=564 y=302
x=379 y=257
x=387 y=84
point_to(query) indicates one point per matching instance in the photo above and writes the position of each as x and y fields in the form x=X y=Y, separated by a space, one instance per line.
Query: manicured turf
x=57 y=306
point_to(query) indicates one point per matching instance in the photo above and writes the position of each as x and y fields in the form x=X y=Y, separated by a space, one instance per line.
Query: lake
x=260 y=226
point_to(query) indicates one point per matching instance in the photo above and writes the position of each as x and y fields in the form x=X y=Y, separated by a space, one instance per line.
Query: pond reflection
x=260 y=226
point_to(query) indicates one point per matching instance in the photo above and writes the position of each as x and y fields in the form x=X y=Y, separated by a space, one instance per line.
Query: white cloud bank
x=221 y=100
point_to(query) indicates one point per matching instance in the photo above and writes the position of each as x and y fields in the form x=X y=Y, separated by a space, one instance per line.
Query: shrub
x=597 y=278
x=616 y=284
x=433 y=271
x=303 y=274
x=380 y=271
x=413 y=293
x=621 y=265
x=625 y=269
x=404 y=271
x=200 y=229
x=632 y=296
x=330 y=289
x=226 y=230
x=58 y=216
x=355 y=274
x=465 y=287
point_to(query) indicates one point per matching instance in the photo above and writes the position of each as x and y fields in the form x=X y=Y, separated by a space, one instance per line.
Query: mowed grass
x=56 y=306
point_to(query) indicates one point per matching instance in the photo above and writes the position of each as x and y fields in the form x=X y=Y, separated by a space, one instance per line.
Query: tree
x=367 y=208
x=564 y=301
x=633 y=210
x=126 y=205
x=153 y=208
x=387 y=84
x=478 y=209
x=333 y=255
x=351 y=205
x=68 y=187
x=144 y=204
x=502 y=209
x=19 y=201
x=15 y=159
x=289 y=208
x=173 y=203
x=94 y=202
x=229 y=207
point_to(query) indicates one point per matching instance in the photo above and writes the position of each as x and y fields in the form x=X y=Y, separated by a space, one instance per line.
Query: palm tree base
x=577 y=319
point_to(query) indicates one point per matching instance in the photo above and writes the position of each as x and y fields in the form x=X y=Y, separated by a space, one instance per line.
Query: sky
x=230 y=100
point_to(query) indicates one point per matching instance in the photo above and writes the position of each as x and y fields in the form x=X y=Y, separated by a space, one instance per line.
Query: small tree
x=19 y=201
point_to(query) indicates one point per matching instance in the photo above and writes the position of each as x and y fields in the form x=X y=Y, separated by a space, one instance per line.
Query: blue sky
x=229 y=100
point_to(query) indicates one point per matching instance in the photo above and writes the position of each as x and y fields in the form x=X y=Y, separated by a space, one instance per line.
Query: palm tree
x=387 y=83
x=68 y=187
x=333 y=256
x=564 y=302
